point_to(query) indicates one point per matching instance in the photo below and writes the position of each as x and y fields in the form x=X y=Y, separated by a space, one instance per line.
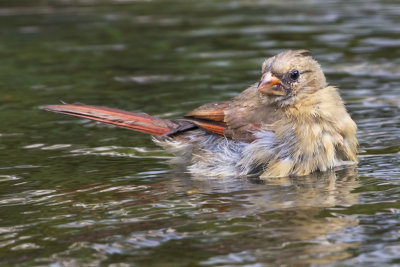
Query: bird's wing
x=237 y=119
x=211 y=112
x=210 y=117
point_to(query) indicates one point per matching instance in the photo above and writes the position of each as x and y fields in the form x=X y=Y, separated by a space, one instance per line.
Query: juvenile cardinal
x=290 y=123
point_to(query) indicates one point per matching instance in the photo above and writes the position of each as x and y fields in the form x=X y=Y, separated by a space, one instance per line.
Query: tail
x=140 y=122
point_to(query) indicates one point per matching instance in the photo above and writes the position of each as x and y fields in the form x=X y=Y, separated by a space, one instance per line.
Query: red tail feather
x=140 y=122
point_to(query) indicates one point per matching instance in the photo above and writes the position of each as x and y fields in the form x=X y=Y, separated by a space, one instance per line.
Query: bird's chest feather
x=304 y=147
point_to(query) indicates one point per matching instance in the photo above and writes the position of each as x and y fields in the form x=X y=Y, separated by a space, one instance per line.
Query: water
x=73 y=192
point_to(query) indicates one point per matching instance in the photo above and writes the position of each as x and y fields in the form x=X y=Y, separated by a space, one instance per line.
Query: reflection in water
x=287 y=216
x=294 y=224
x=321 y=189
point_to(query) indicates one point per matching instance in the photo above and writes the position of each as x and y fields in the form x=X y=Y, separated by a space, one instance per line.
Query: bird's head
x=289 y=76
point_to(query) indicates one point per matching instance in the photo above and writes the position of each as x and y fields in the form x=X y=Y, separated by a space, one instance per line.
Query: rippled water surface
x=73 y=192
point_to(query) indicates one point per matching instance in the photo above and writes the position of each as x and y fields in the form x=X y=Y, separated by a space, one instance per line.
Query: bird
x=289 y=124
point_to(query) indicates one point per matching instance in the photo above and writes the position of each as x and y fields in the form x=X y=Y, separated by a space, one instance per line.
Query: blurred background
x=73 y=192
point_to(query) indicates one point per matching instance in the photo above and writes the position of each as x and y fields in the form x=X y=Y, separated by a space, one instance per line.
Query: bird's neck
x=306 y=107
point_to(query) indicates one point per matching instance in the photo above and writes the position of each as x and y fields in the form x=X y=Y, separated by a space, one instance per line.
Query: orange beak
x=269 y=85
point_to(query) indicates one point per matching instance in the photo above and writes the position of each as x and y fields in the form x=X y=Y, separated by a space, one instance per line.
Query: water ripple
x=117 y=151
x=62 y=207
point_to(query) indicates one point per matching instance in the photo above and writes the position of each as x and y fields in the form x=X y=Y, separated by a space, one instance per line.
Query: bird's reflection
x=293 y=216
x=320 y=189
x=289 y=217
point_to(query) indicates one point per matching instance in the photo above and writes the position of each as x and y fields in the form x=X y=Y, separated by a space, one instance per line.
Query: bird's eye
x=294 y=75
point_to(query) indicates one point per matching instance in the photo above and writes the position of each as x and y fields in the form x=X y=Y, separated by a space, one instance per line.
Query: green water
x=73 y=192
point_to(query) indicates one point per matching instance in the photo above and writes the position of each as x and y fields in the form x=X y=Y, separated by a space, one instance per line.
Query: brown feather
x=214 y=127
x=241 y=117
x=213 y=112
